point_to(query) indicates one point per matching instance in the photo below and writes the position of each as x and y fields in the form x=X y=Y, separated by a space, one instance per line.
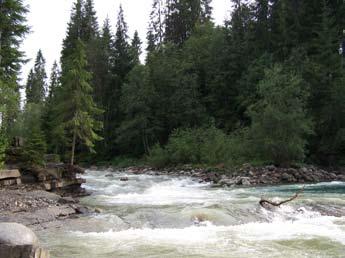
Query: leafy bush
x=158 y=157
x=279 y=122
x=124 y=162
x=191 y=146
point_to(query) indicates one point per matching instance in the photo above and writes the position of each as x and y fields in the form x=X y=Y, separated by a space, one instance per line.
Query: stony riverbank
x=248 y=175
x=41 y=197
x=37 y=208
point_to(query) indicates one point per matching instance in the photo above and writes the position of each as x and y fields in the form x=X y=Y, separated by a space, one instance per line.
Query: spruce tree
x=136 y=49
x=326 y=75
x=77 y=107
x=50 y=122
x=89 y=21
x=34 y=138
x=121 y=55
x=136 y=133
x=206 y=11
x=155 y=35
x=54 y=81
x=36 y=84
x=29 y=84
x=103 y=78
x=121 y=65
x=13 y=28
x=261 y=10
x=180 y=19
x=74 y=32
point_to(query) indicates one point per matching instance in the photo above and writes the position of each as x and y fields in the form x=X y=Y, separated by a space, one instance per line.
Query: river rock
x=10 y=177
x=245 y=181
x=18 y=241
x=226 y=182
x=288 y=178
x=66 y=200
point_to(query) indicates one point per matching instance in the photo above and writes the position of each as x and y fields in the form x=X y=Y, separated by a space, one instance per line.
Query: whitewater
x=163 y=216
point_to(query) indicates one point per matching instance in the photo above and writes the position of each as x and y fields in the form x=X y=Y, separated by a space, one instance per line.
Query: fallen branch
x=278 y=204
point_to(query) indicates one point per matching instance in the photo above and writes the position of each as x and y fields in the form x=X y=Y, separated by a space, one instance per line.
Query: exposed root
x=278 y=204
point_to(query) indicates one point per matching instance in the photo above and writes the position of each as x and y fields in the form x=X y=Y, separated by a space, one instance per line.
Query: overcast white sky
x=48 y=21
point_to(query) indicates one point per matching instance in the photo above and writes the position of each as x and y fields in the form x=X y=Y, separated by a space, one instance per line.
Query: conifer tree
x=180 y=19
x=103 y=65
x=36 y=84
x=54 y=81
x=77 y=107
x=35 y=143
x=261 y=12
x=326 y=77
x=155 y=35
x=89 y=21
x=74 y=32
x=136 y=133
x=122 y=56
x=103 y=78
x=13 y=28
x=136 y=49
x=121 y=65
x=50 y=122
x=206 y=10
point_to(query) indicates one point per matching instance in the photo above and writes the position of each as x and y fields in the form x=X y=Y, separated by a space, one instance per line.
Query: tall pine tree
x=13 y=28
x=121 y=65
x=136 y=49
x=155 y=34
x=78 y=110
x=36 y=85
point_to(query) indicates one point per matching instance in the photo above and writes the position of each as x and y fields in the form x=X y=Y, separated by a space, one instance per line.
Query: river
x=162 y=216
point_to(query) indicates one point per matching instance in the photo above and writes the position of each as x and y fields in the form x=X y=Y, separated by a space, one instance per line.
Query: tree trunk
x=73 y=146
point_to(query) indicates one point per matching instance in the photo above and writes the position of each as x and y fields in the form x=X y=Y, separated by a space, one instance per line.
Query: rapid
x=162 y=216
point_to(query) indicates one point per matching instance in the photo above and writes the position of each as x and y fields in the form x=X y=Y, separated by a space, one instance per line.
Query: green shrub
x=158 y=157
x=124 y=162
x=208 y=146
x=279 y=122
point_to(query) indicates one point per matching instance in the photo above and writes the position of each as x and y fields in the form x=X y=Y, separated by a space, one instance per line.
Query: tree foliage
x=267 y=86
x=77 y=108
x=280 y=125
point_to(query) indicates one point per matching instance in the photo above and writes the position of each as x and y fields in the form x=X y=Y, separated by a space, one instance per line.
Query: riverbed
x=162 y=216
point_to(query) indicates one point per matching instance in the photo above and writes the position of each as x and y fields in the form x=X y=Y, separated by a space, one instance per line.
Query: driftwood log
x=278 y=204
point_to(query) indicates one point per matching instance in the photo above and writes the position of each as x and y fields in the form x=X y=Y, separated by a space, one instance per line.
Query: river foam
x=150 y=216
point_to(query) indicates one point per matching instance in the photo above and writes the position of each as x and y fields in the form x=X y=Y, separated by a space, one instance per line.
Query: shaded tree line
x=267 y=86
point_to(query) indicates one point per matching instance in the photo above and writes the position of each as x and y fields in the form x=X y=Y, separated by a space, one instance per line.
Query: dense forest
x=268 y=86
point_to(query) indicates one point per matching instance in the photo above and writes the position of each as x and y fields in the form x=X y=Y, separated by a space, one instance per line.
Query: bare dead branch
x=278 y=204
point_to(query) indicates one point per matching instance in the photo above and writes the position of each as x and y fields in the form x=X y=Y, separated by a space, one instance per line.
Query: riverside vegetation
x=264 y=90
x=266 y=87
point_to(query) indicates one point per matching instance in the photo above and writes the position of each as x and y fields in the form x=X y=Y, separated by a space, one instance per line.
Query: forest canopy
x=267 y=86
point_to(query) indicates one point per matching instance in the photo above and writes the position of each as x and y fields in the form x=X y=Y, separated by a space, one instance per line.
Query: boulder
x=288 y=178
x=226 y=182
x=245 y=181
x=18 y=241
x=66 y=200
x=10 y=177
x=7 y=174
